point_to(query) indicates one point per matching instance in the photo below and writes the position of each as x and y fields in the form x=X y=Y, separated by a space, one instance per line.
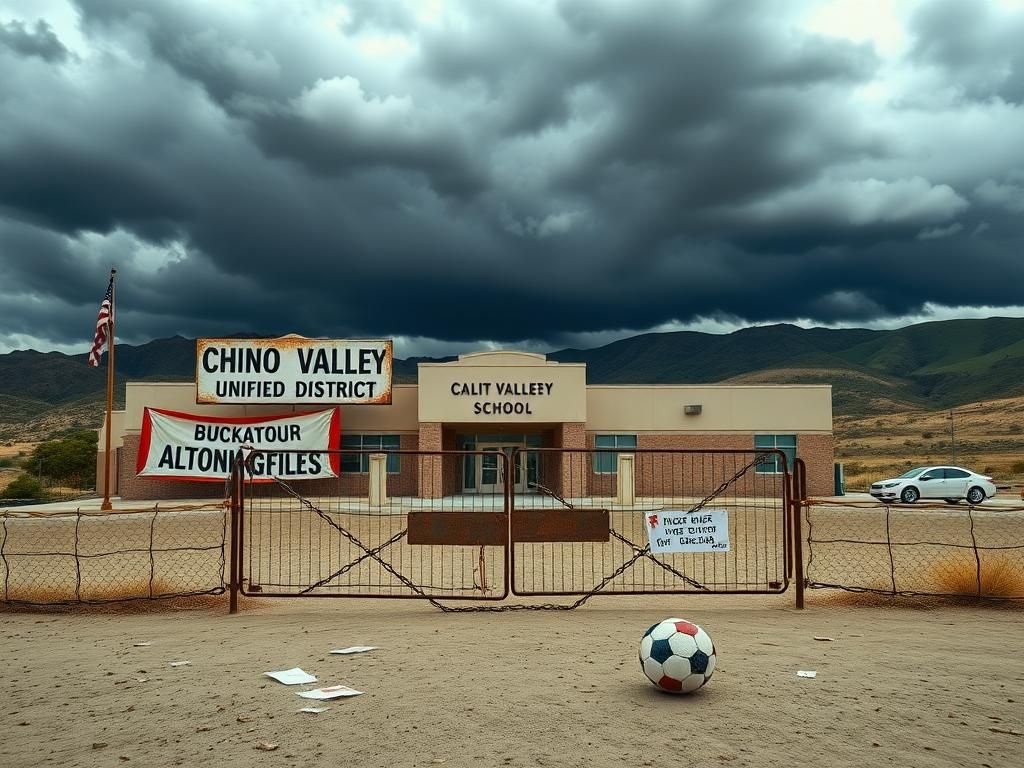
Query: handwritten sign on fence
x=678 y=531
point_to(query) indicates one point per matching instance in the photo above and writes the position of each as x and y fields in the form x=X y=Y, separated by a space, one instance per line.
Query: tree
x=69 y=459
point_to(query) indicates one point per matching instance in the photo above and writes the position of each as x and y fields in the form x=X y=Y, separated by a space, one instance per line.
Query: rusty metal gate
x=541 y=522
x=343 y=537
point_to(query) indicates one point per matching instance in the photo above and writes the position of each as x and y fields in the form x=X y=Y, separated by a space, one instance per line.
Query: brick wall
x=574 y=474
x=451 y=466
x=819 y=454
x=430 y=471
x=700 y=474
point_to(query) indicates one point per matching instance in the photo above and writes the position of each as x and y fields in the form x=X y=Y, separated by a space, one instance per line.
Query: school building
x=497 y=401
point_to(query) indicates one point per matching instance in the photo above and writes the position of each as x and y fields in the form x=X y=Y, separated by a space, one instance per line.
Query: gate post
x=626 y=480
x=378 y=479
x=234 y=543
x=799 y=496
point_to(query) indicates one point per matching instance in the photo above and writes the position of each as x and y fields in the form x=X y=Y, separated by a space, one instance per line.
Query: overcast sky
x=524 y=173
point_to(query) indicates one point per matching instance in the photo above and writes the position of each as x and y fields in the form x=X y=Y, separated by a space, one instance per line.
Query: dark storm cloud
x=498 y=171
x=38 y=40
x=979 y=50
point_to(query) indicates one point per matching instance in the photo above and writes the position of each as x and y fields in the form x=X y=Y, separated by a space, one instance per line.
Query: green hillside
x=930 y=365
x=14 y=409
x=688 y=357
x=50 y=377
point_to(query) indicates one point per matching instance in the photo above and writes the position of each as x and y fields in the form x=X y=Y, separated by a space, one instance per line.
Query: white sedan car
x=947 y=483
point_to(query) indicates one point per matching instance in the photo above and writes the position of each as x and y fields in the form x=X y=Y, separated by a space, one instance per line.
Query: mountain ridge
x=929 y=366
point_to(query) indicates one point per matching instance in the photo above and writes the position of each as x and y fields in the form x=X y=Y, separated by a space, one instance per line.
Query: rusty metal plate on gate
x=544 y=525
x=468 y=528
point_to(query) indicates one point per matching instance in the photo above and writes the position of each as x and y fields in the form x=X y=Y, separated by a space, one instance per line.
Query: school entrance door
x=490 y=469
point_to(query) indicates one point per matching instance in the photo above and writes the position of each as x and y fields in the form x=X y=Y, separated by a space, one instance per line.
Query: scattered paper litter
x=825 y=639
x=293 y=676
x=142 y=645
x=180 y=663
x=356 y=649
x=806 y=673
x=314 y=710
x=330 y=692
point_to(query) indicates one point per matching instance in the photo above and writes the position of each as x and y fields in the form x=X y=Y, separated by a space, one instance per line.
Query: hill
x=930 y=366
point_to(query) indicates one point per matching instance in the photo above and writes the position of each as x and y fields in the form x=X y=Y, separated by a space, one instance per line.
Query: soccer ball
x=677 y=655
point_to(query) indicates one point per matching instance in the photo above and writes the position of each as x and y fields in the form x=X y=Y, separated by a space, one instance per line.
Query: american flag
x=105 y=314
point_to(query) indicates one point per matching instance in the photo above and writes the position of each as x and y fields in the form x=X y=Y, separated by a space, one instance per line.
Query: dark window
x=608 y=463
x=772 y=464
x=360 y=462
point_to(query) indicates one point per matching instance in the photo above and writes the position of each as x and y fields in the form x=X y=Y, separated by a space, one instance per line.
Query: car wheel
x=952 y=501
x=909 y=495
x=976 y=495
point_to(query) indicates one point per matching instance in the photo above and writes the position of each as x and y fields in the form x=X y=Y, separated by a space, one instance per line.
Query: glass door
x=490 y=468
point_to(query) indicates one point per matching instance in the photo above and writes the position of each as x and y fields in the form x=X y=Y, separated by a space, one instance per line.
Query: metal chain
x=638 y=552
x=346 y=568
x=369 y=552
x=646 y=552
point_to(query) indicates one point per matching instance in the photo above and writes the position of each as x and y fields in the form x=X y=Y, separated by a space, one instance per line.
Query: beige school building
x=498 y=401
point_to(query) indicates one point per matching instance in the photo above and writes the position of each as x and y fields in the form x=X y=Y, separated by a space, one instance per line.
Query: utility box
x=840 y=481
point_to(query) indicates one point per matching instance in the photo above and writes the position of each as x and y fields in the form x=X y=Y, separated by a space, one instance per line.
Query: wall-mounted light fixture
x=691 y=410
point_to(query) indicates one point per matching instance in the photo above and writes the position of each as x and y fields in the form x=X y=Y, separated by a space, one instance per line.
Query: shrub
x=70 y=457
x=23 y=487
x=927 y=435
x=1015 y=429
x=1017 y=467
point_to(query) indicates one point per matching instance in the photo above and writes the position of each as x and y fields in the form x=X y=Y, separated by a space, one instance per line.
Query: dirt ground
x=924 y=686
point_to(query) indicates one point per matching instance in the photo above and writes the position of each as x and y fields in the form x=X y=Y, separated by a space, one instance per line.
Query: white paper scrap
x=293 y=676
x=356 y=649
x=314 y=710
x=180 y=663
x=142 y=645
x=330 y=692
x=805 y=673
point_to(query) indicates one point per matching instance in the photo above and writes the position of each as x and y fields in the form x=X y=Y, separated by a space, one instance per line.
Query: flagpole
x=106 y=505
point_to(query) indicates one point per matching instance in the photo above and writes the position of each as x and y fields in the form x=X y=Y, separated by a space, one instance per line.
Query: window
x=360 y=462
x=608 y=463
x=771 y=464
x=955 y=474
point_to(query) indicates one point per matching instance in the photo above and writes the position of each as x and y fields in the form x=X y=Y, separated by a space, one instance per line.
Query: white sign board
x=293 y=370
x=185 y=446
x=678 y=531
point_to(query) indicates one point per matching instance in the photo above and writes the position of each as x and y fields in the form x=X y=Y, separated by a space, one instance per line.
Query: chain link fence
x=924 y=549
x=105 y=557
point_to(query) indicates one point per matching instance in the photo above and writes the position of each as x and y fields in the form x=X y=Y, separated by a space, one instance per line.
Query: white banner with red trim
x=185 y=446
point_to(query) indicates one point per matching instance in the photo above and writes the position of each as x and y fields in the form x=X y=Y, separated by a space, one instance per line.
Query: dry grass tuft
x=127 y=597
x=999 y=577
x=840 y=598
x=954 y=580
x=828 y=598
